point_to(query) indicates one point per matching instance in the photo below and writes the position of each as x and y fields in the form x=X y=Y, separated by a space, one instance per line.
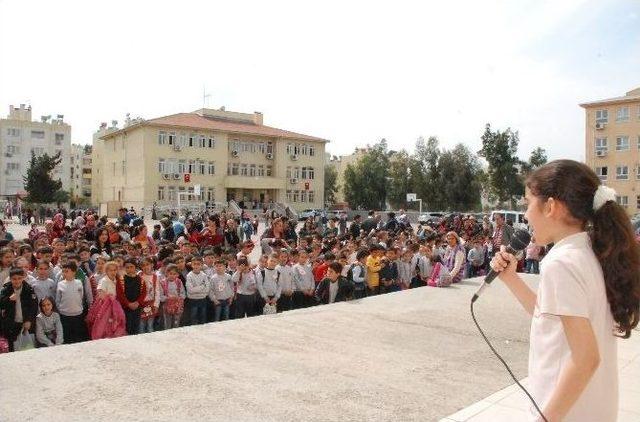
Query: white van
x=517 y=217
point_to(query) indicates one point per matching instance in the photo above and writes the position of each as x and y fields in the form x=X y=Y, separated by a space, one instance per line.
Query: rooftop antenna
x=205 y=97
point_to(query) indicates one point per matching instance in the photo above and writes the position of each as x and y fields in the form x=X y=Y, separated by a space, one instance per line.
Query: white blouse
x=572 y=284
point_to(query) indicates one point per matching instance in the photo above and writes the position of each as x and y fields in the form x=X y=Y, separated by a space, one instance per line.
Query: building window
x=312 y=150
x=13 y=149
x=13 y=166
x=289 y=196
x=622 y=115
x=622 y=143
x=192 y=140
x=161 y=166
x=59 y=138
x=601 y=144
x=602 y=116
x=311 y=196
x=211 y=195
x=202 y=141
x=172 y=193
x=622 y=173
x=288 y=173
x=252 y=170
x=304 y=149
x=172 y=138
x=260 y=171
x=37 y=134
x=245 y=147
x=235 y=169
x=296 y=173
x=269 y=147
x=622 y=200
x=243 y=169
x=262 y=148
x=252 y=147
x=160 y=193
x=289 y=149
x=182 y=166
x=13 y=132
x=303 y=173
x=212 y=167
x=211 y=143
x=162 y=137
x=602 y=172
x=192 y=167
x=124 y=167
x=182 y=140
x=296 y=196
x=638 y=202
x=268 y=171
x=235 y=145
x=296 y=149
x=311 y=174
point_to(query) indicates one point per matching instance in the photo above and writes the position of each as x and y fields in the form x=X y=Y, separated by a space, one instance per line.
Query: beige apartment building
x=80 y=174
x=228 y=155
x=20 y=136
x=613 y=145
x=340 y=163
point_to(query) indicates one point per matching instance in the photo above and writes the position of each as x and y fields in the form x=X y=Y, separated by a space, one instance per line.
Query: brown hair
x=612 y=237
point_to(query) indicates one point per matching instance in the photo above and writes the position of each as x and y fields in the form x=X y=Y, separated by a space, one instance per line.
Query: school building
x=230 y=156
x=613 y=145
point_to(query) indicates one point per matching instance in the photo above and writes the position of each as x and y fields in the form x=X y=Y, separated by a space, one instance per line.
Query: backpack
x=350 y=274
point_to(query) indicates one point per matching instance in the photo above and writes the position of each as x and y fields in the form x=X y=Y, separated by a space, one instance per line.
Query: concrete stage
x=408 y=356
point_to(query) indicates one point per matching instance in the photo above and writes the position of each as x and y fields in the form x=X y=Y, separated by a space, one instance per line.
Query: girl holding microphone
x=589 y=292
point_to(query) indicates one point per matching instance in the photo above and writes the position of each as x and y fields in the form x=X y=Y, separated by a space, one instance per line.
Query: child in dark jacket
x=389 y=273
x=18 y=306
x=131 y=292
x=334 y=287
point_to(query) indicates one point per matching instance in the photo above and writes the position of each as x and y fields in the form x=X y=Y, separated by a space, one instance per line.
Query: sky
x=352 y=71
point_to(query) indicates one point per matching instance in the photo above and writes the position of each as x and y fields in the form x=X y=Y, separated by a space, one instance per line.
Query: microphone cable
x=473 y=316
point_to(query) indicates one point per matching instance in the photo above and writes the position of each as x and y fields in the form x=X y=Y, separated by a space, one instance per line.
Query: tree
x=61 y=197
x=500 y=150
x=459 y=178
x=402 y=178
x=538 y=158
x=38 y=182
x=365 y=182
x=330 y=183
x=427 y=154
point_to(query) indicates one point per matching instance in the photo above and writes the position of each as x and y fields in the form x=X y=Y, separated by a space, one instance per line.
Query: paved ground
x=408 y=356
x=511 y=404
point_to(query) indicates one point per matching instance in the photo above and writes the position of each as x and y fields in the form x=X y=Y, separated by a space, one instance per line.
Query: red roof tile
x=193 y=120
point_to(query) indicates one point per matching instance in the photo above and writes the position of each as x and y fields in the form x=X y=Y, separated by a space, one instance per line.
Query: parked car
x=308 y=213
x=430 y=217
x=517 y=217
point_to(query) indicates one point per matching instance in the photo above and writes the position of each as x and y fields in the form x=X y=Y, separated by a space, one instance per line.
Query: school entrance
x=252 y=198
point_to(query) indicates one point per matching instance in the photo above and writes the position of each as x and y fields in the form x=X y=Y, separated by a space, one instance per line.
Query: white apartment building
x=19 y=136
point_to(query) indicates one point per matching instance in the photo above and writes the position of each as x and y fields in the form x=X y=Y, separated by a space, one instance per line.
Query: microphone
x=519 y=241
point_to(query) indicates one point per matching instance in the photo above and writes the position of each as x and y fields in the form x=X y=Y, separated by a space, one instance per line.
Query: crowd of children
x=97 y=279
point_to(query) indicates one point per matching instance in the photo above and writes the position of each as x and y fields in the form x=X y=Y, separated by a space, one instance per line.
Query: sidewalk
x=511 y=404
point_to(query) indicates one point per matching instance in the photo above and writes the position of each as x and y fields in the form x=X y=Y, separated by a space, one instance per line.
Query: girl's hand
x=504 y=263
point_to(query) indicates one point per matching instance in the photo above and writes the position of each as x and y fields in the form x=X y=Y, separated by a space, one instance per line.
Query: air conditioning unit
x=234 y=153
x=176 y=176
x=177 y=147
x=601 y=152
x=600 y=125
x=294 y=157
x=269 y=156
x=166 y=176
x=293 y=181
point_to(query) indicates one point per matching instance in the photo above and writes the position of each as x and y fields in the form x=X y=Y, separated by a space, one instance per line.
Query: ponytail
x=612 y=236
x=615 y=246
